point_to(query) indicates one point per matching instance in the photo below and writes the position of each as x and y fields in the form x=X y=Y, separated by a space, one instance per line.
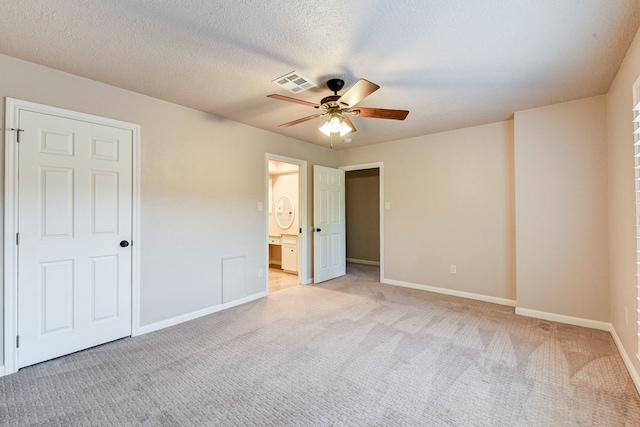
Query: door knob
x=124 y=243
x=317 y=230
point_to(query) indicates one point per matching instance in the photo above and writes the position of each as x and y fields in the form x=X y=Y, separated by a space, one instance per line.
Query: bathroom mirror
x=284 y=212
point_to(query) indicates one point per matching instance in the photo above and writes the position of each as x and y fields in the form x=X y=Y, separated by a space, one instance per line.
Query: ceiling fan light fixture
x=344 y=128
x=325 y=128
x=335 y=125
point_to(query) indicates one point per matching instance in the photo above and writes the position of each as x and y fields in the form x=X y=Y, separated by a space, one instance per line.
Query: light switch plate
x=260 y=206
x=387 y=205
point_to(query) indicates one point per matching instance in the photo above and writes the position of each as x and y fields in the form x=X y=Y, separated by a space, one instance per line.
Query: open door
x=329 y=241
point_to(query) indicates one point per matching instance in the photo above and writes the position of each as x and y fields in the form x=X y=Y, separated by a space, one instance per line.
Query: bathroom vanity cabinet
x=288 y=248
x=290 y=253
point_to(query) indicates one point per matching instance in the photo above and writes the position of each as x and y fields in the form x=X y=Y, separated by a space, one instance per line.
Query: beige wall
x=561 y=209
x=451 y=200
x=622 y=231
x=363 y=214
x=202 y=178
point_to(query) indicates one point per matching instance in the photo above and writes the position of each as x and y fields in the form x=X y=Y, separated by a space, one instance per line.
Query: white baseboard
x=363 y=261
x=625 y=357
x=194 y=315
x=2 y=371
x=469 y=295
x=577 y=321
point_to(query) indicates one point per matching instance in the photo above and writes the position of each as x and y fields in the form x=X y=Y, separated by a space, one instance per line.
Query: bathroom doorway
x=285 y=213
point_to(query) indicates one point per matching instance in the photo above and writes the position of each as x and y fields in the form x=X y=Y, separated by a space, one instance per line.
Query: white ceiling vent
x=294 y=82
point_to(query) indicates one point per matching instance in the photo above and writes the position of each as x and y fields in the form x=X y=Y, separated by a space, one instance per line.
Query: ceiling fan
x=339 y=107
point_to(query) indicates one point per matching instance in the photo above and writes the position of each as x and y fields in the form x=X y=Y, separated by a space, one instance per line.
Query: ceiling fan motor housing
x=335 y=85
x=330 y=100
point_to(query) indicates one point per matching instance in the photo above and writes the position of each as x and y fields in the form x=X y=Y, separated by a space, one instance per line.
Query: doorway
x=286 y=220
x=364 y=204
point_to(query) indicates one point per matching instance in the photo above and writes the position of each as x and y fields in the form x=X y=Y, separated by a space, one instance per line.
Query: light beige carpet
x=347 y=352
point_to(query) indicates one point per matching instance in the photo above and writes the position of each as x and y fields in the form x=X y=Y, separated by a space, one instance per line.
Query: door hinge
x=18 y=130
x=17 y=238
x=17 y=341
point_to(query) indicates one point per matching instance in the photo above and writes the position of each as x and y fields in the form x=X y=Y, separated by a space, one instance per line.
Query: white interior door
x=74 y=223
x=329 y=241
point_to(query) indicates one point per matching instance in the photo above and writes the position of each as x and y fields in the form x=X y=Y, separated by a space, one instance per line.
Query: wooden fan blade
x=294 y=100
x=358 y=92
x=304 y=119
x=347 y=120
x=381 y=113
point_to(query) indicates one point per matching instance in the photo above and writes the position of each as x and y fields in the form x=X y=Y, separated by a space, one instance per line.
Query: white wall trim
x=10 y=257
x=636 y=139
x=196 y=314
x=363 y=261
x=135 y=231
x=10 y=324
x=380 y=167
x=561 y=318
x=445 y=291
x=625 y=357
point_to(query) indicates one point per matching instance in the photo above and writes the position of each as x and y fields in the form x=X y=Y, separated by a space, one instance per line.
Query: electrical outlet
x=454 y=269
x=260 y=206
x=260 y=272
x=387 y=205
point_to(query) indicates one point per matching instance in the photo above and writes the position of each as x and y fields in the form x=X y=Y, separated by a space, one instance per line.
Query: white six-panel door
x=74 y=211
x=329 y=240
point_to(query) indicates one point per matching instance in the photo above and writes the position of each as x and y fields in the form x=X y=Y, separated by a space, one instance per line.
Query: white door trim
x=10 y=257
x=380 y=167
x=303 y=261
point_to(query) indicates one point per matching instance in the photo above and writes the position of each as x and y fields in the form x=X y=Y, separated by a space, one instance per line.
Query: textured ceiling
x=452 y=63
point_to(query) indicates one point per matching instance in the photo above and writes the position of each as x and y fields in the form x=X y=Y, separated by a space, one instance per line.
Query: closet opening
x=364 y=211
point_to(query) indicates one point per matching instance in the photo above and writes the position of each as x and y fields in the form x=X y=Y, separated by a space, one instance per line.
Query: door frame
x=303 y=262
x=13 y=107
x=380 y=167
